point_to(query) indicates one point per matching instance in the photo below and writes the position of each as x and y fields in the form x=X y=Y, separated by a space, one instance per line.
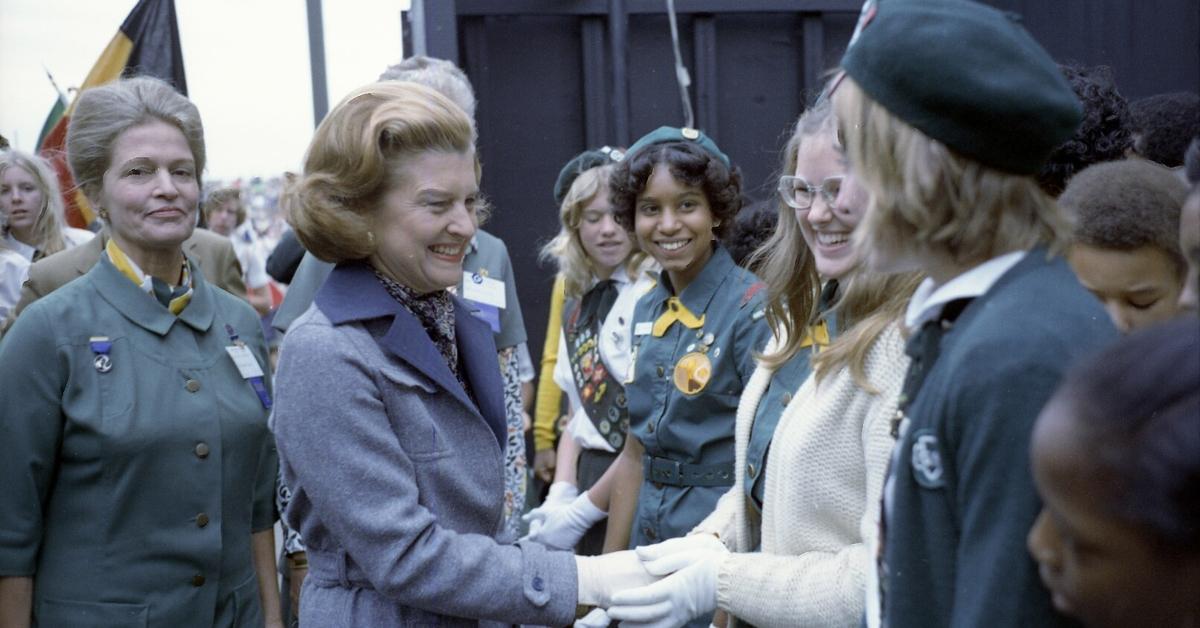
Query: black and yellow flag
x=147 y=44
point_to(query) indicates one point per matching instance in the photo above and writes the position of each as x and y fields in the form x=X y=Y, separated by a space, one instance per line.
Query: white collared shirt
x=929 y=299
x=616 y=334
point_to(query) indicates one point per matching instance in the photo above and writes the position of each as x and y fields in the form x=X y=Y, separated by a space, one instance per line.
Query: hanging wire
x=681 y=72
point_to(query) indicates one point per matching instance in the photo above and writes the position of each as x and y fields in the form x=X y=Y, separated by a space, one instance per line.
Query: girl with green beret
x=948 y=109
x=695 y=335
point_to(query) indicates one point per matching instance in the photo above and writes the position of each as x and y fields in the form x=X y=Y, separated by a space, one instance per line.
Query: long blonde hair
x=866 y=302
x=784 y=261
x=925 y=197
x=566 y=249
x=47 y=227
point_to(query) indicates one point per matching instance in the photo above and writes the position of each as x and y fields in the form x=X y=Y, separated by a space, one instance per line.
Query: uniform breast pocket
x=412 y=402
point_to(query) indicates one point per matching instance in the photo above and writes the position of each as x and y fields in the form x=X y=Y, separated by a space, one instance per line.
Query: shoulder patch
x=754 y=289
x=927 y=461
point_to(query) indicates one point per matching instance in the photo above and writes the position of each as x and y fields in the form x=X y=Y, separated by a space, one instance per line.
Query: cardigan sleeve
x=329 y=413
x=825 y=588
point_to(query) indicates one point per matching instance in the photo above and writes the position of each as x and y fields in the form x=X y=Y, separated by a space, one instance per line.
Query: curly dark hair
x=1135 y=407
x=751 y=228
x=688 y=163
x=1104 y=135
x=1164 y=125
x=1125 y=205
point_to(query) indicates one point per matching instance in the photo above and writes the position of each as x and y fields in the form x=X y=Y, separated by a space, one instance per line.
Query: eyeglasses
x=800 y=194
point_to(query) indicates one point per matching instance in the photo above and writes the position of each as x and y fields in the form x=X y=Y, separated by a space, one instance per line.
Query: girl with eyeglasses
x=788 y=544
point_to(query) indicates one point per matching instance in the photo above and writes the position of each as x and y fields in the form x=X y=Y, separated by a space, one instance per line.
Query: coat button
x=201 y=450
x=650 y=427
x=201 y=520
x=192 y=385
x=197 y=580
x=538 y=583
x=661 y=371
x=785 y=399
x=750 y=469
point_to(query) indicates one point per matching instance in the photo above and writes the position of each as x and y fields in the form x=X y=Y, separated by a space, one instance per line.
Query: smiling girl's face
x=674 y=224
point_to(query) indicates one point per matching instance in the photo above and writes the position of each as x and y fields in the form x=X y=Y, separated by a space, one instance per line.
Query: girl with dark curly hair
x=695 y=335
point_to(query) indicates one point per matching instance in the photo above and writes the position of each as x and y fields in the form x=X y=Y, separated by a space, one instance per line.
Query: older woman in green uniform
x=137 y=463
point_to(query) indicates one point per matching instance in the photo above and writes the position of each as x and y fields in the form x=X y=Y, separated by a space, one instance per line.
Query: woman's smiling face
x=826 y=226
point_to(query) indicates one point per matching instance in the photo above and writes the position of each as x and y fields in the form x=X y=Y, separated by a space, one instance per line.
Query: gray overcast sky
x=246 y=62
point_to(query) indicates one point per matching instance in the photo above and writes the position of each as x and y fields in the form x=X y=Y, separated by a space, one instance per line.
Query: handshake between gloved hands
x=656 y=586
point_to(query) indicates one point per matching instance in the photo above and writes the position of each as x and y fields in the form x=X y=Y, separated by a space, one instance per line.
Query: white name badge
x=641 y=329
x=244 y=361
x=482 y=289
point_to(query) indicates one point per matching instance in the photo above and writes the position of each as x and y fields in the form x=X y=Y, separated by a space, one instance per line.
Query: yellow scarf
x=144 y=281
x=676 y=311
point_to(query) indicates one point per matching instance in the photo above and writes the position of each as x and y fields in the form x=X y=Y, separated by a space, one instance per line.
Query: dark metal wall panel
x=1152 y=47
x=528 y=78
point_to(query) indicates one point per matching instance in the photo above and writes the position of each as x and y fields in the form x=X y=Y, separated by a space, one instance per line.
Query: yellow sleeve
x=549 y=395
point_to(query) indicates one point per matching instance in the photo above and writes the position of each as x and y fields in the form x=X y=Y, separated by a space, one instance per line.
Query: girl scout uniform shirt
x=692 y=356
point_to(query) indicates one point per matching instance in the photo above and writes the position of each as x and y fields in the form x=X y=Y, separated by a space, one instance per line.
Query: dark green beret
x=671 y=134
x=966 y=75
x=581 y=163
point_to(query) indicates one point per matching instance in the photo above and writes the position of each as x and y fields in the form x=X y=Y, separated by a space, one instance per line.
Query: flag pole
x=316 y=58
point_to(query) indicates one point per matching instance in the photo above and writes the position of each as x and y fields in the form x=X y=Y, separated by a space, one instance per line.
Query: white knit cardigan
x=824 y=479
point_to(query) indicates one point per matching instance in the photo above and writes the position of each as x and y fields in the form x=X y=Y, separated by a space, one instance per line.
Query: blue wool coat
x=397 y=473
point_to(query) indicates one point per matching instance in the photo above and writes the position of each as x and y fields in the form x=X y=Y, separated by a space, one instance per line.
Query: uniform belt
x=335 y=568
x=675 y=473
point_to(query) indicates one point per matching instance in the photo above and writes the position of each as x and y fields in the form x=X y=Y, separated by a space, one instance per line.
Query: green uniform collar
x=143 y=309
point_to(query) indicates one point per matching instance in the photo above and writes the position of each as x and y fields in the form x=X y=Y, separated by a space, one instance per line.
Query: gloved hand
x=561 y=495
x=561 y=528
x=595 y=619
x=688 y=593
x=602 y=576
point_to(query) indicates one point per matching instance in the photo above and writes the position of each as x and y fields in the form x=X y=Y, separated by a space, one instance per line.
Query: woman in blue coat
x=138 y=470
x=390 y=416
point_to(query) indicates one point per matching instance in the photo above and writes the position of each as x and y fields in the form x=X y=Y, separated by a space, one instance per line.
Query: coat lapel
x=353 y=293
x=477 y=352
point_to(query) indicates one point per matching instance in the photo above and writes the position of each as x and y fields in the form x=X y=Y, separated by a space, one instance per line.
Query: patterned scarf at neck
x=435 y=311
x=174 y=298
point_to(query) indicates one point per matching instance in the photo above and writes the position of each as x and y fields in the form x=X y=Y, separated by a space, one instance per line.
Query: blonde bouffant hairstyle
x=352 y=157
x=47 y=227
x=566 y=249
x=925 y=197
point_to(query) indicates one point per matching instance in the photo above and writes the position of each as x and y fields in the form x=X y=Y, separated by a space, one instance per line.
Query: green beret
x=671 y=134
x=966 y=75
x=581 y=163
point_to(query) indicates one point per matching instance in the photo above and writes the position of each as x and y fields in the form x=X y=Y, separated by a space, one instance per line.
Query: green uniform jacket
x=130 y=494
x=695 y=429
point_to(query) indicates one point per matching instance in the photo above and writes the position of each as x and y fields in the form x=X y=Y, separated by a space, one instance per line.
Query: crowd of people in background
x=949 y=375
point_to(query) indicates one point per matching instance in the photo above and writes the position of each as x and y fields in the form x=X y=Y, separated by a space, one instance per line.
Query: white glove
x=560 y=496
x=595 y=619
x=562 y=528
x=602 y=576
x=688 y=593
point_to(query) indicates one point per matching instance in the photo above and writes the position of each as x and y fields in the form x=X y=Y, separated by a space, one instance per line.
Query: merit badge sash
x=601 y=395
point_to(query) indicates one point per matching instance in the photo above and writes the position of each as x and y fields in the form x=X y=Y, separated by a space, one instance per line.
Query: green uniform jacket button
x=201 y=520
x=660 y=371
x=197 y=580
x=201 y=450
x=785 y=399
x=750 y=469
x=192 y=385
x=650 y=427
